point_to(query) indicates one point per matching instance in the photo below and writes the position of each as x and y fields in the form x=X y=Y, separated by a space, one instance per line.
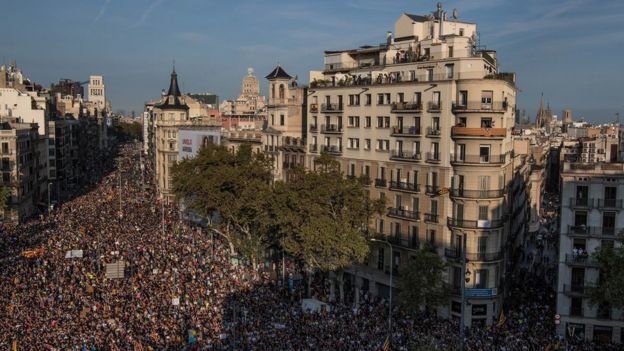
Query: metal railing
x=478 y=106
x=472 y=224
x=331 y=128
x=313 y=147
x=433 y=132
x=404 y=186
x=432 y=189
x=574 y=289
x=434 y=106
x=331 y=149
x=484 y=132
x=401 y=213
x=404 y=155
x=580 y=260
x=406 y=106
x=330 y=108
x=476 y=194
x=431 y=217
x=380 y=183
x=433 y=157
x=479 y=159
x=610 y=203
x=313 y=128
x=411 y=131
x=455 y=252
x=583 y=230
x=581 y=202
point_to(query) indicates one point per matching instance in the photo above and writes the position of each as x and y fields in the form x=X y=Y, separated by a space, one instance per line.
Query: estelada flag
x=502 y=319
x=386 y=344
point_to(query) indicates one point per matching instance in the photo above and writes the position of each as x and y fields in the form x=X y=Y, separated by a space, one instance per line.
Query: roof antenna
x=173 y=65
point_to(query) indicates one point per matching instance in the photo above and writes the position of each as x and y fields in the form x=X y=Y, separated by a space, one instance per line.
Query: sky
x=571 y=50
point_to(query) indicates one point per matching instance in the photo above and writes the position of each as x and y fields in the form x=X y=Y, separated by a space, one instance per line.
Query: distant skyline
x=571 y=50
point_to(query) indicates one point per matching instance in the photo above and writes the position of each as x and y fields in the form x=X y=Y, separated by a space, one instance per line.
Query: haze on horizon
x=568 y=49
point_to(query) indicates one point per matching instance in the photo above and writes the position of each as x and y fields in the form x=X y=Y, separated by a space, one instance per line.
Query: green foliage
x=129 y=131
x=5 y=193
x=236 y=186
x=421 y=283
x=322 y=217
x=610 y=289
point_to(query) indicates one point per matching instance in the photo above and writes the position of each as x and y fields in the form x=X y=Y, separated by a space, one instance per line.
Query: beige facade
x=284 y=136
x=19 y=168
x=591 y=217
x=428 y=118
x=170 y=115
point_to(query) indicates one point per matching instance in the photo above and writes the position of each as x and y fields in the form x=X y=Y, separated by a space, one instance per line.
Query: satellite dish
x=455 y=13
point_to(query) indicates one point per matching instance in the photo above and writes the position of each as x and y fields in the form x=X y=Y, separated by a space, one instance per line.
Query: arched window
x=273 y=91
x=281 y=91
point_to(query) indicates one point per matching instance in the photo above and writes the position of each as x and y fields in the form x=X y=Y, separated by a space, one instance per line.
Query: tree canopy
x=422 y=282
x=610 y=288
x=235 y=185
x=318 y=216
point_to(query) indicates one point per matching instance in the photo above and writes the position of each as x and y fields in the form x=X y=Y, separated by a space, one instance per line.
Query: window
x=387 y=98
x=386 y=122
x=367 y=144
x=486 y=97
x=5 y=148
x=434 y=207
x=580 y=218
x=380 y=99
x=353 y=143
x=281 y=91
x=380 y=122
x=281 y=120
x=576 y=306
x=368 y=99
x=383 y=145
x=429 y=74
x=608 y=223
x=486 y=123
x=366 y=171
x=481 y=278
x=461 y=32
x=461 y=152
x=450 y=51
x=484 y=153
x=272 y=120
x=449 y=71
x=418 y=98
x=380 y=252
x=354 y=121
x=483 y=213
x=436 y=99
x=400 y=97
x=435 y=151
x=367 y=122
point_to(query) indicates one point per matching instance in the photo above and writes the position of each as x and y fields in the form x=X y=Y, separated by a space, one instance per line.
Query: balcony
x=584 y=231
x=578 y=202
x=399 y=155
x=313 y=147
x=610 y=204
x=332 y=149
x=313 y=108
x=479 y=159
x=576 y=290
x=432 y=190
x=272 y=149
x=431 y=217
x=478 y=106
x=456 y=253
x=406 y=132
x=434 y=106
x=313 y=128
x=404 y=214
x=477 y=194
x=433 y=157
x=406 y=107
x=397 y=239
x=463 y=132
x=404 y=186
x=584 y=260
x=381 y=183
x=289 y=165
x=433 y=132
x=331 y=129
x=479 y=224
x=331 y=108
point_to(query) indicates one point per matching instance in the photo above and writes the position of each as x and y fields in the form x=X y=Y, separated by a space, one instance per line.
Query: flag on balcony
x=386 y=344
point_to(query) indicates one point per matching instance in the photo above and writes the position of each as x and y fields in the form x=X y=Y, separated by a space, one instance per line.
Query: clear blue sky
x=572 y=50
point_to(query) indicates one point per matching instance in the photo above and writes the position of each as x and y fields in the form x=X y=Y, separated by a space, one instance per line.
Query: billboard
x=191 y=140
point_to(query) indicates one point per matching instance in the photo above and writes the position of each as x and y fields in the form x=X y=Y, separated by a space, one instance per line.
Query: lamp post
x=49 y=205
x=466 y=278
x=391 y=271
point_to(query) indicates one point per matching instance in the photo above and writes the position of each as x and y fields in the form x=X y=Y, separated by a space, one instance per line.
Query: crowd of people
x=180 y=288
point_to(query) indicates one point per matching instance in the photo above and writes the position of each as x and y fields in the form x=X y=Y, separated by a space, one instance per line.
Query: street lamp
x=49 y=205
x=391 y=270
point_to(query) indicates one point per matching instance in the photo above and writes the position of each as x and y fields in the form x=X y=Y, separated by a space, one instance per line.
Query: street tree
x=609 y=292
x=235 y=188
x=421 y=284
x=322 y=217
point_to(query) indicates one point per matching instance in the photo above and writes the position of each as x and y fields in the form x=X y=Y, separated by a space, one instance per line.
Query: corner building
x=427 y=118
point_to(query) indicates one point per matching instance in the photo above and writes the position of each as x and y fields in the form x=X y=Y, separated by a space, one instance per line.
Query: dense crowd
x=180 y=289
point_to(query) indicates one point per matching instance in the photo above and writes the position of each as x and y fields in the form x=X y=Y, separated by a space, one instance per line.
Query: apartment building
x=171 y=114
x=19 y=168
x=285 y=133
x=591 y=217
x=427 y=118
